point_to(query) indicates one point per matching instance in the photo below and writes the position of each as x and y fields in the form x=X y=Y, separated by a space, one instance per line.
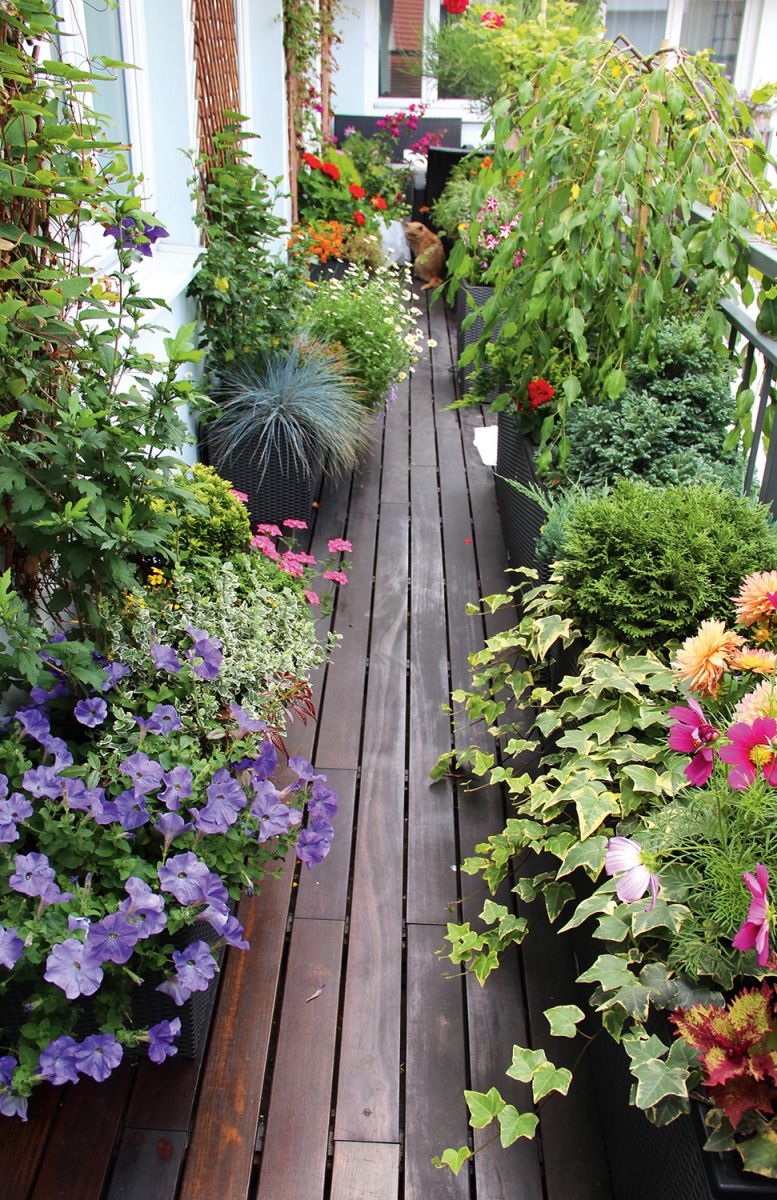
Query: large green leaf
x=564 y=1019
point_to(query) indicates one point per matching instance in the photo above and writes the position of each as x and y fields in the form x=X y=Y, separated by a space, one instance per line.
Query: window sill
x=164 y=276
x=465 y=109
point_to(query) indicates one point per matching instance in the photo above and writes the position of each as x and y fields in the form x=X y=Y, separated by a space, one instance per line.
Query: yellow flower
x=714 y=197
x=702 y=659
x=310 y=283
x=222 y=283
x=574 y=191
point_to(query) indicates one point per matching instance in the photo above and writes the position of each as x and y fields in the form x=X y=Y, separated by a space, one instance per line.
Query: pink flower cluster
x=295 y=562
x=396 y=121
x=428 y=139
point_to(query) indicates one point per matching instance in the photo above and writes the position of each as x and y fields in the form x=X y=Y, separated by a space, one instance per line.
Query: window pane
x=103 y=37
x=643 y=22
x=714 y=25
x=401 y=38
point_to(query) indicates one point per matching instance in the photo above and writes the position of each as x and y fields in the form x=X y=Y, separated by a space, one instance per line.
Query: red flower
x=456 y=6
x=377 y=202
x=312 y=161
x=357 y=192
x=540 y=392
x=359 y=218
x=492 y=20
x=331 y=170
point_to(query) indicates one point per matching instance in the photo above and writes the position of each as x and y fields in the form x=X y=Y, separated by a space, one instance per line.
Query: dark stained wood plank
x=394 y=483
x=368 y=1080
x=23 y=1142
x=148 y=1165
x=423 y=451
x=431 y=883
x=78 y=1155
x=323 y=891
x=297 y=1132
x=435 y=1070
x=365 y=1171
x=340 y=715
x=221 y=1153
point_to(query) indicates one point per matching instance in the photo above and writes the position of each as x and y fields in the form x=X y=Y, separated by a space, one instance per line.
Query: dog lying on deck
x=428 y=254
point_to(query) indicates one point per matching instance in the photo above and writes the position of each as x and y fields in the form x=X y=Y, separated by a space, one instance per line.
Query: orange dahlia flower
x=761 y=702
x=702 y=659
x=757 y=597
x=762 y=662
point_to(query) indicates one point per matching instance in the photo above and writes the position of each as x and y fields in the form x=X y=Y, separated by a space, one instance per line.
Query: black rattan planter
x=285 y=487
x=479 y=294
x=334 y=268
x=522 y=518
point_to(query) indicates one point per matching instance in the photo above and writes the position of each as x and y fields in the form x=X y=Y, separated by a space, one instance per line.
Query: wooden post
x=326 y=17
x=292 y=110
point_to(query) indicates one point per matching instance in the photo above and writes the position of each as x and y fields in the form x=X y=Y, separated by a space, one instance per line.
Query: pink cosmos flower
x=693 y=735
x=754 y=932
x=624 y=854
x=270 y=530
x=751 y=750
x=241 y=496
x=339 y=546
x=336 y=576
x=293 y=523
x=312 y=598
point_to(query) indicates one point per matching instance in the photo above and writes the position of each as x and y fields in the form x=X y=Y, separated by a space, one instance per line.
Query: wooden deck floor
x=341 y=1044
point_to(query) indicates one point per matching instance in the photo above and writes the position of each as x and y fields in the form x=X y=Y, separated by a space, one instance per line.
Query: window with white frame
x=714 y=25
x=403 y=26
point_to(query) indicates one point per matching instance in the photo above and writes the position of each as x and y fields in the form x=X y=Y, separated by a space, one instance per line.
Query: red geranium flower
x=312 y=161
x=492 y=20
x=359 y=218
x=331 y=170
x=357 y=192
x=540 y=392
x=456 y=6
x=378 y=202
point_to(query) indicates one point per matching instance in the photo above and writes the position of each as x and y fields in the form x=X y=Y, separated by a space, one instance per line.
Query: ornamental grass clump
x=648 y=563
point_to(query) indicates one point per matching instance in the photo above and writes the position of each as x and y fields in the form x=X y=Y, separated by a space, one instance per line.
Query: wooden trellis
x=217 y=81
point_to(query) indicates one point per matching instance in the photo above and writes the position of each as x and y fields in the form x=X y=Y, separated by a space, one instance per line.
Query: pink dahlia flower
x=751 y=751
x=754 y=933
x=693 y=734
x=625 y=855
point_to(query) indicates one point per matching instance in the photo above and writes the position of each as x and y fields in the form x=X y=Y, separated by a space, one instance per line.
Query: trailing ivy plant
x=87 y=420
x=617 y=149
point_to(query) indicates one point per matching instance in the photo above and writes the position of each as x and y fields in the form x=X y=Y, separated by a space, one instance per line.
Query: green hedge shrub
x=219 y=527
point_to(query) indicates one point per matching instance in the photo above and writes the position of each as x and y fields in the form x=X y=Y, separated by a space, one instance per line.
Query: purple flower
x=57 y=1063
x=32 y=875
x=8 y=831
x=91 y=712
x=178 y=787
x=245 y=723
x=175 y=990
x=321 y=825
x=40 y=695
x=10 y=1105
x=98 y=1055
x=273 y=815
x=34 y=723
x=303 y=769
x=163 y=720
x=232 y=932
x=59 y=750
x=204 y=656
x=113 y=673
x=131 y=811
x=160 y=1040
x=11 y=947
x=225 y=800
x=182 y=876
x=42 y=781
x=165 y=658
x=72 y=967
x=76 y=794
x=3 y=786
x=78 y=924
x=113 y=939
x=144 y=908
x=323 y=801
x=263 y=765
x=312 y=847
x=214 y=893
x=171 y=826
x=145 y=773
x=19 y=806
x=195 y=966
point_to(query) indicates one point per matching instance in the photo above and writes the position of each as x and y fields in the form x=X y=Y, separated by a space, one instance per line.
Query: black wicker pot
x=334 y=268
x=478 y=294
x=282 y=486
x=522 y=518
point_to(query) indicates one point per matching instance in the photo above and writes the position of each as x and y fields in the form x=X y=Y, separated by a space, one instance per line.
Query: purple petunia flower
x=323 y=801
x=10 y=1105
x=74 y=794
x=229 y=929
x=59 y=751
x=57 y=1063
x=32 y=875
x=165 y=658
x=34 y=723
x=145 y=773
x=113 y=673
x=19 y=806
x=273 y=815
x=113 y=939
x=262 y=765
x=72 y=967
x=11 y=947
x=131 y=811
x=178 y=787
x=144 y=908
x=204 y=655
x=195 y=966
x=40 y=695
x=322 y=826
x=182 y=876
x=91 y=712
x=160 y=1039
x=171 y=826
x=8 y=831
x=312 y=847
x=98 y=1055
x=77 y=924
x=303 y=769
x=42 y=781
x=245 y=723
x=225 y=800
x=214 y=893
x=175 y=990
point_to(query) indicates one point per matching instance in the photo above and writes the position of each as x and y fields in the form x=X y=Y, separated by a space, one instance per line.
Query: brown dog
x=428 y=254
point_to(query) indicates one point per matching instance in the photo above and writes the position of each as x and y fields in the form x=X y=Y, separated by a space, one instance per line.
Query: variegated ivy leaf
x=514 y=1125
x=483 y=1107
x=454 y=1159
x=656 y=1079
x=588 y=854
x=564 y=1019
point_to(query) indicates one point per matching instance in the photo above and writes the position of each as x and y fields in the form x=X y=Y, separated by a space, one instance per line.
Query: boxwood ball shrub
x=650 y=563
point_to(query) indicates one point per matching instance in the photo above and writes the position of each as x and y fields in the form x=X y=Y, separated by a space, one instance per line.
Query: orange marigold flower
x=757 y=597
x=486 y=162
x=702 y=659
x=762 y=662
x=761 y=702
